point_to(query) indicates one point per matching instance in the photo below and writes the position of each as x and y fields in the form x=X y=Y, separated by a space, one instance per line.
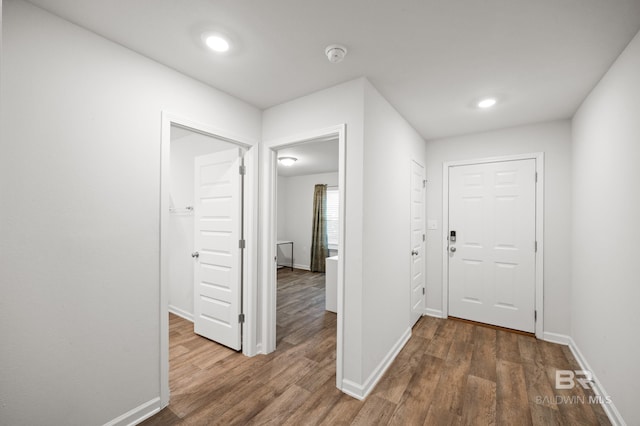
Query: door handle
x=453 y=249
x=414 y=252
x=195 y=254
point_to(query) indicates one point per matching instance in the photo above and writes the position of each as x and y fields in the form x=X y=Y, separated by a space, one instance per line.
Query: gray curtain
x=319 y=243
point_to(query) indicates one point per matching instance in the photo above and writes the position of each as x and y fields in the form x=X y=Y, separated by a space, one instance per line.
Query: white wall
x=184 y=150
x=552 y=138
x=390 y=144
x=296 y=213
x=79 y=241
x=606 y=231
x=281 y=207
x=380 y=145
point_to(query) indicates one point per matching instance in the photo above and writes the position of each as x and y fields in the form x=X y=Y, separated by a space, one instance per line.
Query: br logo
x=566 y=379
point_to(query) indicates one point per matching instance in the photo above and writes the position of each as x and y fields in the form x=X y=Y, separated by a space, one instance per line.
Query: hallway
x=450 y=372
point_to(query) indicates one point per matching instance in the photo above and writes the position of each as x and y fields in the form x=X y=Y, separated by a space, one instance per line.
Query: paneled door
x=492 y=248
x=417 y=241
x=218 y=260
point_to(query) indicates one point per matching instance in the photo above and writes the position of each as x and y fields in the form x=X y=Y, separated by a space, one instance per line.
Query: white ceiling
x=430 y=58
x=313 y=158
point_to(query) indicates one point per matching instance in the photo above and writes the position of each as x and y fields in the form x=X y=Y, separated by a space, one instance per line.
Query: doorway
x=307 y=212
x=269 y=249
x=492 y=241
x=206 y=276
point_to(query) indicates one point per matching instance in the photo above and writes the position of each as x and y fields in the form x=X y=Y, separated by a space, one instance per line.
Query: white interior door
x=417 y=241
x=492 y=260
x=218 y=260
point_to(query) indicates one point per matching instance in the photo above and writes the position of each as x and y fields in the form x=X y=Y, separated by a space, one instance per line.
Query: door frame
x=250 y=225
x=268 y=268
x=539 y=254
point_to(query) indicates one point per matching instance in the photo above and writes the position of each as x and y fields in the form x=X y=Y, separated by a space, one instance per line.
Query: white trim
x=539 y=157
x=610 y=409
x=181 y=313
x=250 y=254
x=138 y=414
x=361 y=391
x=303 y=267
x=250 y=220
x=268 y=268
x=436 y=313
x=353 y=389
x=561 y=339
x=539 y=298
x=295 y=266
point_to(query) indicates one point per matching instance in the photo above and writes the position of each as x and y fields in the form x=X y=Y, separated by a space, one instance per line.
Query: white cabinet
x=331 y=284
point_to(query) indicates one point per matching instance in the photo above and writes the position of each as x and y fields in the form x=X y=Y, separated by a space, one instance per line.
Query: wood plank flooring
x=449 y=373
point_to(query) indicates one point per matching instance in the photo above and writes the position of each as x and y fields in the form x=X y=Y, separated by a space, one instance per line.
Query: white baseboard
x=304 y=267
x=138 y=414
x=610 y=409
x=437 y=313
x=352 y=389
x=561 y=339
x=361 y=391
x=295 y=266
x=181 y=313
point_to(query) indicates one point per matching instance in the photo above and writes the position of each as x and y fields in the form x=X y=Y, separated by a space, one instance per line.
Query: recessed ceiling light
x=217 y=43
x=486 y=103
x=287 y=161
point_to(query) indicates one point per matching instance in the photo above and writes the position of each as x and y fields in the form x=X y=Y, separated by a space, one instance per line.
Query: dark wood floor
x=450 y=372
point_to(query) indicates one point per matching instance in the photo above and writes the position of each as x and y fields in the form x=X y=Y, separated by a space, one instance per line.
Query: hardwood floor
x=450 y=372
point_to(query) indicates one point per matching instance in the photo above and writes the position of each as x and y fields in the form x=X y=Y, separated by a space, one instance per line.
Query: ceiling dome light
x=287 y=161
x=217 y=43
x=486 y=103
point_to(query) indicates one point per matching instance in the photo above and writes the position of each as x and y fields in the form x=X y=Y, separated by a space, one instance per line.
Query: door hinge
x=424 y=183
x=243 y=170
x=423 y=291
x=536 y=176
x=535 y=246
x=242 y=244
x=241 y=318
x=535 y=315
x=424 y=237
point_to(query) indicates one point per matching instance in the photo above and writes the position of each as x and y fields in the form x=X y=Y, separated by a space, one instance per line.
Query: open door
x=218 y=255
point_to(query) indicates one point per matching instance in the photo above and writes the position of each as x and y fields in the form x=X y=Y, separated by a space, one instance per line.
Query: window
x=333 y=207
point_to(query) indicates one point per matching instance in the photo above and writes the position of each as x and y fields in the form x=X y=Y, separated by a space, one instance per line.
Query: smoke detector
x=335 y=53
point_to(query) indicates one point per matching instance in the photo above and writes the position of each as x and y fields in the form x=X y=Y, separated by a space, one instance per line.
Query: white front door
x=218 y=260
x=492 y=260
x=417 y=241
